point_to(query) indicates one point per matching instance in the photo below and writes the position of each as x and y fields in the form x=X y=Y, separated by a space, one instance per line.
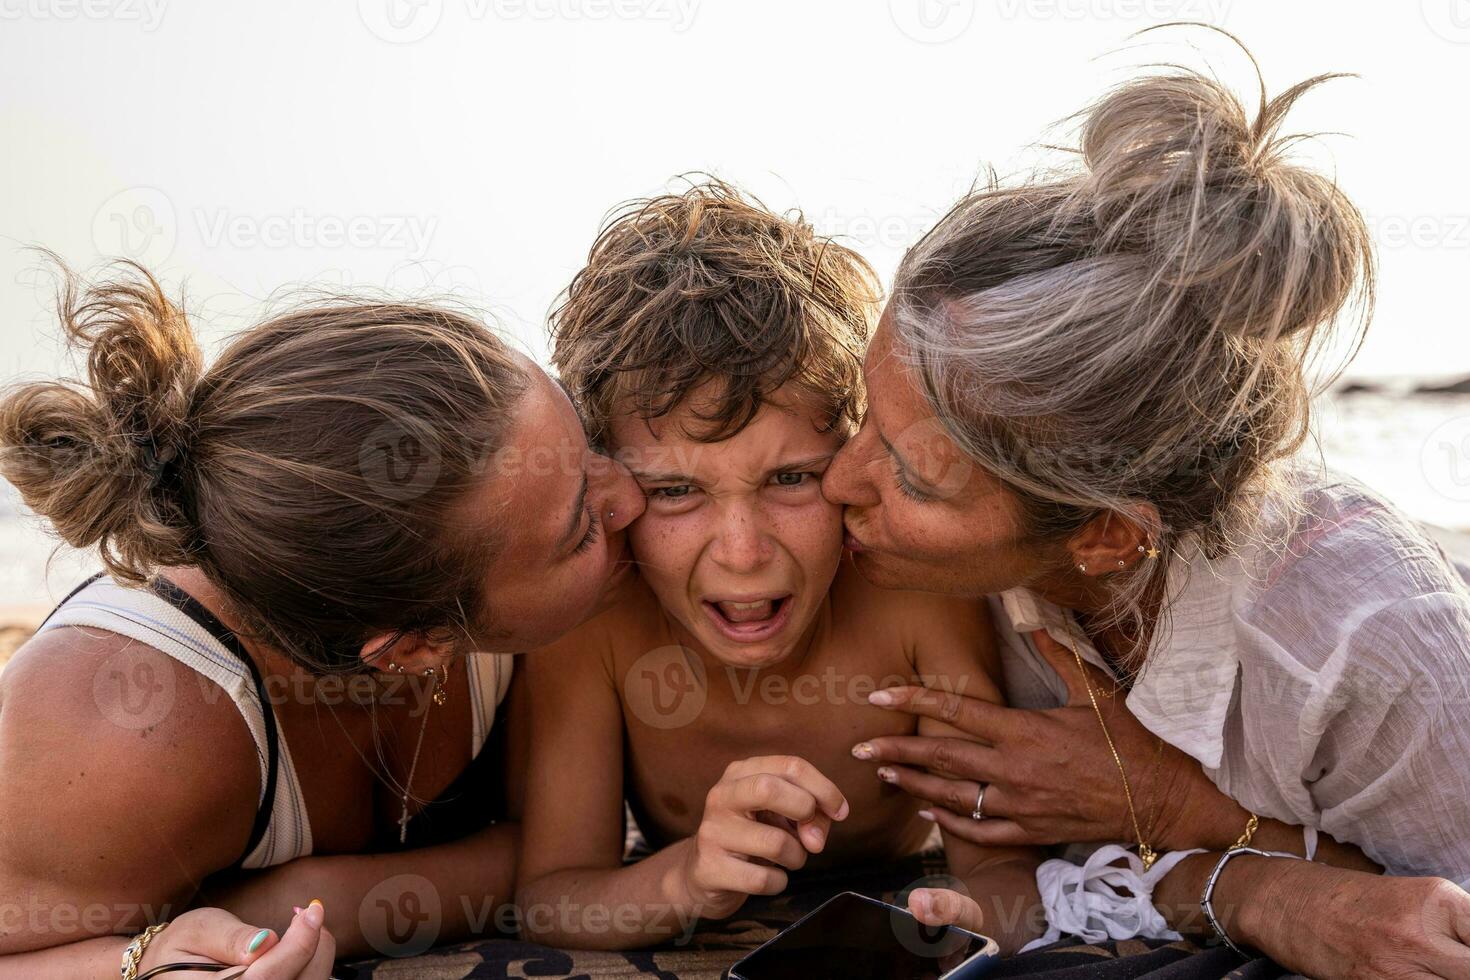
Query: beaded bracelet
x=1207 y=900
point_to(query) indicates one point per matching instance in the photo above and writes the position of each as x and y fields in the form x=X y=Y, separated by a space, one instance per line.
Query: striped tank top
x=169 y=620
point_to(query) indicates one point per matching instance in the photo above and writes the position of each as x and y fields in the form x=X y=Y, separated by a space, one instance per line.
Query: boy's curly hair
x=682 y=290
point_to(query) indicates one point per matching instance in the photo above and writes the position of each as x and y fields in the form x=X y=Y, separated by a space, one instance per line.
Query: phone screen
x=858 y=938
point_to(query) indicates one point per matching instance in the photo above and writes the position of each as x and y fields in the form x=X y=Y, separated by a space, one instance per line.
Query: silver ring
x=979 y=812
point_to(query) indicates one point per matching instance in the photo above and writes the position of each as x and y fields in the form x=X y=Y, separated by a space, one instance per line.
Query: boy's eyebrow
x=673 y=477
x=801 y=464
x=656 y=476
x=575 y=527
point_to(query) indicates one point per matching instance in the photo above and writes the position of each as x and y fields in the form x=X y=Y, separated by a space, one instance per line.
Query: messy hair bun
x=1179 y=175
x=317 y=473
x=106 y=460
x=1135 y=335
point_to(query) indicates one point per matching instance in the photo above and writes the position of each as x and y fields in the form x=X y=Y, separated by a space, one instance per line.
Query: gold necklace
x=1146 y=853
x=440 y=678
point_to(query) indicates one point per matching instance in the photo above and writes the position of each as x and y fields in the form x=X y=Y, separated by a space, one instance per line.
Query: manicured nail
x=927 y=815
x=315 y=901
x=862 y=750
x=886 y=774
x=258 y=941
x=881 y=698
x=313 y=914
x=296 y=909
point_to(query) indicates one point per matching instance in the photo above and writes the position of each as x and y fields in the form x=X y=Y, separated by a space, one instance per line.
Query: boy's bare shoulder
x=606 y=639
x=908 y=616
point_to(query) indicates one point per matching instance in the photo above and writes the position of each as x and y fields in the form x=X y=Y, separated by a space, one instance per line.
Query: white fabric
x=1325 y=684
x=143 y=616
x=1098 y=901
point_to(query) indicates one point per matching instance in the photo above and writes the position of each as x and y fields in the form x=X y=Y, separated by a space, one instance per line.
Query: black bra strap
x=69 y=597
x=195 y=610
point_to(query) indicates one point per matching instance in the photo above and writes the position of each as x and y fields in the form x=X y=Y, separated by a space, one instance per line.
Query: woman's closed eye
x=594 y=529
x=908 y=489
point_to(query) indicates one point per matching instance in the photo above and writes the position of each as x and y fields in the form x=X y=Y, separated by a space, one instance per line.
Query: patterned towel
x=715 y=946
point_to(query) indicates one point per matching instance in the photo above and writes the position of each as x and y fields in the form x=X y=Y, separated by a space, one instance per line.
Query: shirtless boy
x=715 y=349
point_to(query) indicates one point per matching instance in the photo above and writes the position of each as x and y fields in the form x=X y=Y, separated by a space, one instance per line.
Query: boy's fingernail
x=817 y=836
x=313 y=914
x=882 y=698
x=886 y=774
x=927 y=815
x=862 y=750
x=843 y=811
x=257 y=941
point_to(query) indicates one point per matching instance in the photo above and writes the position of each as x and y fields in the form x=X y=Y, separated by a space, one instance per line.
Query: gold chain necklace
x=1146 y=853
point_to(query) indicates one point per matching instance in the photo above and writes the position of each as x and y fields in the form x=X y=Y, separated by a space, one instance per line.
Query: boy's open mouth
x=749 y=620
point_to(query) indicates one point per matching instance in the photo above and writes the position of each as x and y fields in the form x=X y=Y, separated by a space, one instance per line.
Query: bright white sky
x=472 y=146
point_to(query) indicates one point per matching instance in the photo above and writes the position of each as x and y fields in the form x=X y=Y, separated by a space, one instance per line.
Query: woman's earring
x=439 y=695
x=1082 y=566
x=611 y=514
x=1122 y=563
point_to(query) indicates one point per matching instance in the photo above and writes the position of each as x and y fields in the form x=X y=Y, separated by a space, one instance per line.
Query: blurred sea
x=1412 y=448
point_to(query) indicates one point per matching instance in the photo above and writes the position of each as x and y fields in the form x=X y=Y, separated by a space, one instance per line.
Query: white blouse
x=1325 y=684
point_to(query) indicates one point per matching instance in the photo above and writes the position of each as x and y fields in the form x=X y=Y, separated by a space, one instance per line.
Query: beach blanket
x=715 y=946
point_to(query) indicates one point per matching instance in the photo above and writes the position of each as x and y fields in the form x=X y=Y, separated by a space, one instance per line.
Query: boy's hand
x=764 y=815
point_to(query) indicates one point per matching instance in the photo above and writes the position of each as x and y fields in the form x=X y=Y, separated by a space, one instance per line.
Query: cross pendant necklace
x=408 y=786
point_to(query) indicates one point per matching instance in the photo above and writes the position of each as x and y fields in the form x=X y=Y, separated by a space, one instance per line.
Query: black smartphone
x=858 y=938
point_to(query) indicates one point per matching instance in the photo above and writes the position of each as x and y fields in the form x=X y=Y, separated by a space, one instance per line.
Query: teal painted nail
x=260 y=937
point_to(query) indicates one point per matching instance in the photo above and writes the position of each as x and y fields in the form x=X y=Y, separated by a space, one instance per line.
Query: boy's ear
x=414 y=652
